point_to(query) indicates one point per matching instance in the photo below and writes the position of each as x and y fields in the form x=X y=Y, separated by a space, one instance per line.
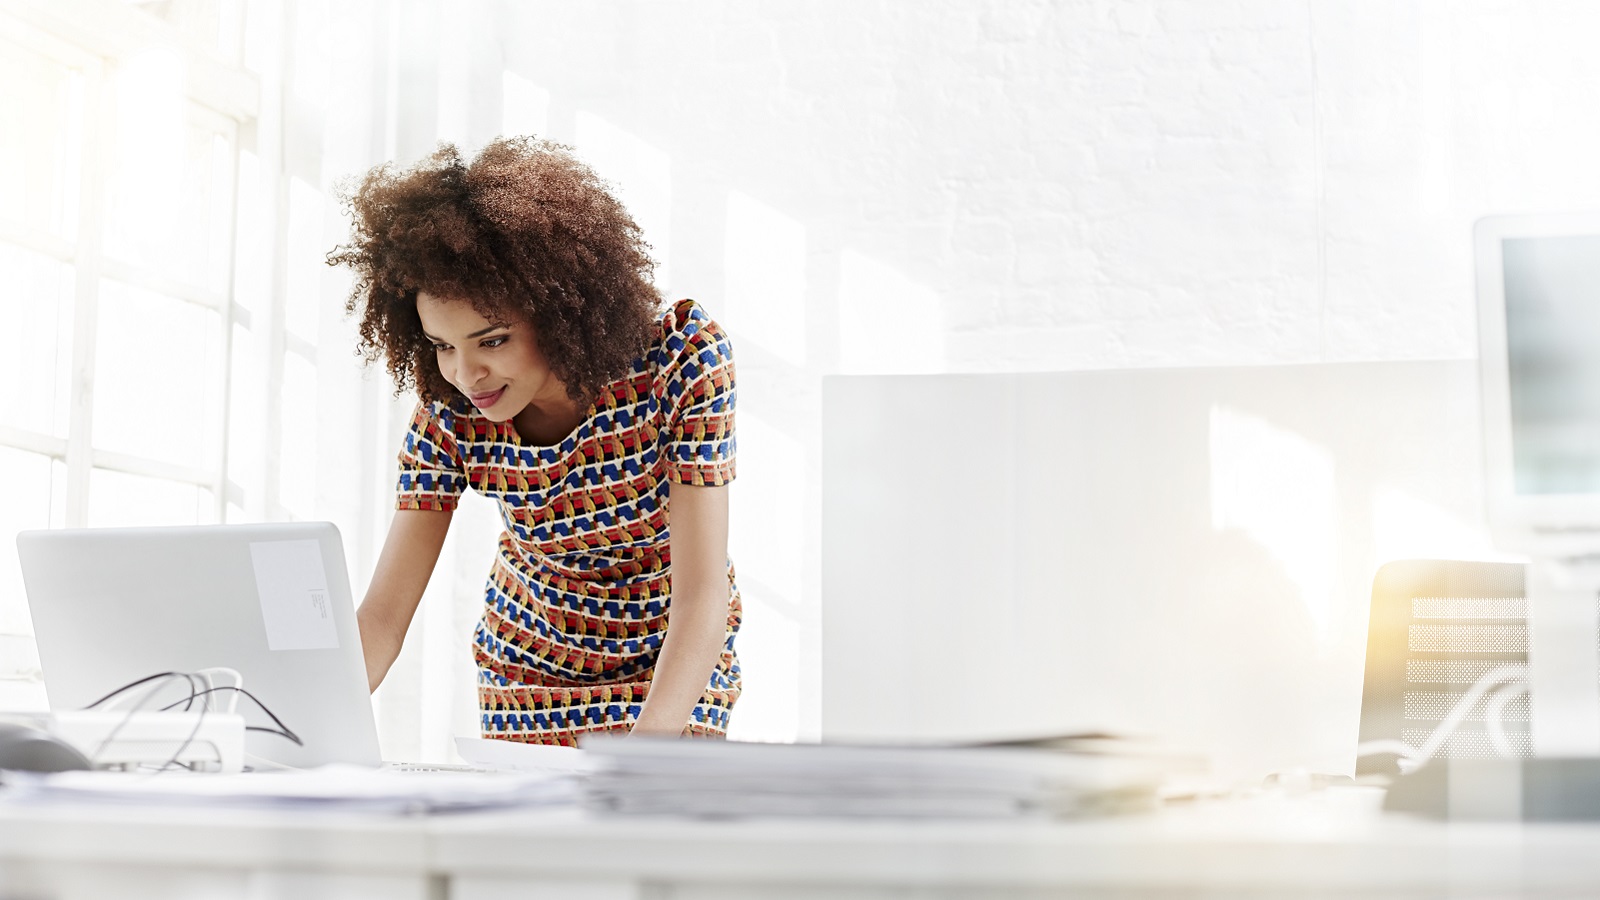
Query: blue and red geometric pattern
x=579 y=594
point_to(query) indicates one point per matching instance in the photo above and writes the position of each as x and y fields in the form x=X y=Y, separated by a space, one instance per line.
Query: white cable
x=1494 y=710
x=211 y=686
x=155 y=688
x=199 y=720
x=1412 y=759
x=207 y=676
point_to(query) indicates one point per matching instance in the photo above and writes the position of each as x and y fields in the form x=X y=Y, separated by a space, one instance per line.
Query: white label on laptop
x=294 y=595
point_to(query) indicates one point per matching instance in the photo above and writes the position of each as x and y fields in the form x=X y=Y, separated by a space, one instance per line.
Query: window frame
x=89 y=39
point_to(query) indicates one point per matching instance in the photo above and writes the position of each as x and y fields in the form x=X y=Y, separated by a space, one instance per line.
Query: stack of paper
x=342 y=788
x=731 y=779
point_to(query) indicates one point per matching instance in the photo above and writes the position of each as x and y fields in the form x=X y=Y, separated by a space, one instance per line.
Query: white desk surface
x=147 y=834
x=1307 y=847
x=1277 y=849
x=94 y=852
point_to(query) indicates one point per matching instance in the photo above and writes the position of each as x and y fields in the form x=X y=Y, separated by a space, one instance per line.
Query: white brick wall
x=997 y=185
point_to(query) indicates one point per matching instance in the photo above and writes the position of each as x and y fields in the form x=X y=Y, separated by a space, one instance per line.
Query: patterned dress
x=580 y=591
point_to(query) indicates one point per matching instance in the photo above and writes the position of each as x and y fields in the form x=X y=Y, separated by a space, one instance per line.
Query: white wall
x=982 y=185
x=953 y=185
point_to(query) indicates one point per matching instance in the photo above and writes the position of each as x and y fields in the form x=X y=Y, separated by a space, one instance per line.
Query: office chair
x=1437 y=627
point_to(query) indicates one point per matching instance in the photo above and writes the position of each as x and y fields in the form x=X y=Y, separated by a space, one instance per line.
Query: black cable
x=128 y=717
x=283 y=729
x=148 y=678
x=199 y=720
x=275 y=731
x=188 y=704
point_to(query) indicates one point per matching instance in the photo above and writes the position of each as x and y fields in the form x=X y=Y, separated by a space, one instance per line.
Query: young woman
x=513 y=294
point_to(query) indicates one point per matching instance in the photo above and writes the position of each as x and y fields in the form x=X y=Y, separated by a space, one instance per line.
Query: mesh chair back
x=1436 y=627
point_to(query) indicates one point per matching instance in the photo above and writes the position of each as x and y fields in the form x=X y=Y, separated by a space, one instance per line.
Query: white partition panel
x=1185 y=553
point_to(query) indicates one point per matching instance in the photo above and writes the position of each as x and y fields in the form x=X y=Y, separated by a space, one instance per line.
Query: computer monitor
x=271 y=601
x=1539 y=328
x=1539 y=320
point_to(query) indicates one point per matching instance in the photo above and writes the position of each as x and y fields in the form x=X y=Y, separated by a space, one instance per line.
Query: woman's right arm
x=409 y=553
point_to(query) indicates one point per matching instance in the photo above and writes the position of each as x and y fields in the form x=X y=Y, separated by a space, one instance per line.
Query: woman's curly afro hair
x=524 y=231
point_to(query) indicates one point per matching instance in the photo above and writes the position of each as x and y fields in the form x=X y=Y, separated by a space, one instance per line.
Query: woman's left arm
x=697 y=623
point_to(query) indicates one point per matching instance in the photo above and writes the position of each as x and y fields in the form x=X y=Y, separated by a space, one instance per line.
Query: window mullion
x=151 y=468
x=32 y=442
x=271 y=126
x=98 y=111
x=41 y=242
x=156 y=281
x=220 y=489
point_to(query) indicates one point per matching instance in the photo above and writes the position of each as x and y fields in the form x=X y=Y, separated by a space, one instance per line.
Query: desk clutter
x=647 y=776
x=727 y=779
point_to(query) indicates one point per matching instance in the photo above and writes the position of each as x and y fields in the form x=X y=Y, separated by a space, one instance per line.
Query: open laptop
x=272 y=601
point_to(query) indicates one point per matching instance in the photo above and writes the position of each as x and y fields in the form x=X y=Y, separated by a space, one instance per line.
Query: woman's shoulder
x=453 y=415
x=685 y=316
x=686 y=333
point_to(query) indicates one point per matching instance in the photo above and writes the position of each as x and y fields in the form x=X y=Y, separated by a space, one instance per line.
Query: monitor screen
x=1552 y=316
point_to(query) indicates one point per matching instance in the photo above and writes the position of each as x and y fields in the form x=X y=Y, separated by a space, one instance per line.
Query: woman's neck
x=546 y=423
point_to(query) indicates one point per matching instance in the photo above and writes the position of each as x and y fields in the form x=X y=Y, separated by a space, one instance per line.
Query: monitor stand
x=1564 y=656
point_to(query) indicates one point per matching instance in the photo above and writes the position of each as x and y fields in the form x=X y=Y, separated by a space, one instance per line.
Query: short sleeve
x=698 y=382
x=431 y=473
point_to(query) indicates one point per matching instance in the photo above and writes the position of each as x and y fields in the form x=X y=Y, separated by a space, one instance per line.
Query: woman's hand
x=409 y=554
x=697 y=623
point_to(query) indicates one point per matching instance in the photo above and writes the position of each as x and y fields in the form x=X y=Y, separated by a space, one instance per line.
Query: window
x=119 y=170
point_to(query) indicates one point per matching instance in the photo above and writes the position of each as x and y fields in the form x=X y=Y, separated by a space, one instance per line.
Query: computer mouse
x=31 y=750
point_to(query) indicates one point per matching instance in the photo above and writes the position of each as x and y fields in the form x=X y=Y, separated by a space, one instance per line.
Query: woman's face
x=497 y=365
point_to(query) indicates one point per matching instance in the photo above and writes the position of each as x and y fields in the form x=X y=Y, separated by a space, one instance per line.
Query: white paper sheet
x=513 y=756
x=294 y=595
x=331 y=788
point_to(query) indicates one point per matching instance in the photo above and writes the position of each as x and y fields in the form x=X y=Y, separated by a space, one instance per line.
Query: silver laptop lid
x=272 y=601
